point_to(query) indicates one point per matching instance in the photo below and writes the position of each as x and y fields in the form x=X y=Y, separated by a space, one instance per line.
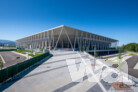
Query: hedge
x=11 y=71
x=7 y=50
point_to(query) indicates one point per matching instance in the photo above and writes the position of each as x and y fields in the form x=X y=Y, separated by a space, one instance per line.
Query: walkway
x=53 y=76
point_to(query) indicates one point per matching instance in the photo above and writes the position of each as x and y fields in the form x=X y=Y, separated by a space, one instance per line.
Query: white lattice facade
x=66 y=37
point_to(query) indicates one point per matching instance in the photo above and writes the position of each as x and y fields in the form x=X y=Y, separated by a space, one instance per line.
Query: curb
x=2 y=59
x=21 y=54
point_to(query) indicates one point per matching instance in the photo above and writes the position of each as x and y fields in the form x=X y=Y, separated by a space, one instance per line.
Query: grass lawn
x=132 y=54
x=36 y=54
x=114 y=60
x=22 y=51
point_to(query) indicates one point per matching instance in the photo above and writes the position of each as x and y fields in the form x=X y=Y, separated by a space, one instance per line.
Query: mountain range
x=7 y=43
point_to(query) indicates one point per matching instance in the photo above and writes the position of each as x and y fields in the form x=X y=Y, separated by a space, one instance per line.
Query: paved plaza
x=53 y=75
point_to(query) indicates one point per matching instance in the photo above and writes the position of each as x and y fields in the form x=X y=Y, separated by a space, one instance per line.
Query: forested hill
x=130 y=47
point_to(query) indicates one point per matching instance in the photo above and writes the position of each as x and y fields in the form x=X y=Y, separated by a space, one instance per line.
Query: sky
x=116 y=19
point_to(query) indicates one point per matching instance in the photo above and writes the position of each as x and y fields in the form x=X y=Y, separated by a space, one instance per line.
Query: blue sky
x=117 y=19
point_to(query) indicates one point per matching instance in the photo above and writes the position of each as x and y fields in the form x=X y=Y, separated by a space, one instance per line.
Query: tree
x=120 y=64
x=41 y=49
x=87 y=48
x=119 y=54
x=82 y=48
x=130 y=47
x=137 y=48
x=123 y=46
x=95 y=53
x=120 y=61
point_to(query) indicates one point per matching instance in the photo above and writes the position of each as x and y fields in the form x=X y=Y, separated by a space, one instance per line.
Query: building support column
x=69 y=40
x=75 y=41
x=58 y=38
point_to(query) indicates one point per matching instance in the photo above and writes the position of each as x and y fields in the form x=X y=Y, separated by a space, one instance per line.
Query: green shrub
x=11 y=71
x=1 y=50
x=1 y=64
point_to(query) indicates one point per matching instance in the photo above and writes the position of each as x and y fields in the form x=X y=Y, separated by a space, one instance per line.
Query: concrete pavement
x=10 y=58
x=53 y=76
x=132 y=62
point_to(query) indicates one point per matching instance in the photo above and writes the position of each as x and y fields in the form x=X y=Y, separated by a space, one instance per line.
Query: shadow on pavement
x=21 y=75
x=62 y=89
x=97 y=88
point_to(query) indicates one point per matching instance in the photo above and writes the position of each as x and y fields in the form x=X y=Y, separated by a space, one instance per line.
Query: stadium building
x=64 y=37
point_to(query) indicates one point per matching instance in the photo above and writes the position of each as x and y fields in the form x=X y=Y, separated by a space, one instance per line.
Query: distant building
x=64 y=37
